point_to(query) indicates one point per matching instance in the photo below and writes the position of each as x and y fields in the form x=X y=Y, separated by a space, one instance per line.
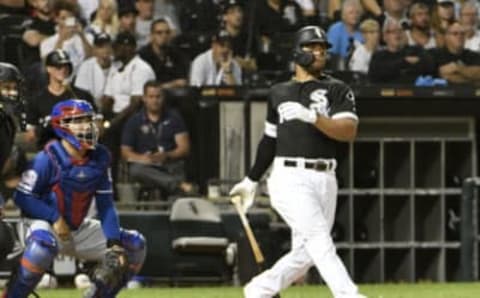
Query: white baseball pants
x=306 y=200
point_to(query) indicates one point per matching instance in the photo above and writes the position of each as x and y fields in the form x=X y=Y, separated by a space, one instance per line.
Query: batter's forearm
x=344 y=130
x=265 y=154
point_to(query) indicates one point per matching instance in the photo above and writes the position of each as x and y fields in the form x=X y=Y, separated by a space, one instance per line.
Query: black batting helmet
x=58 y=58
x=304 y=36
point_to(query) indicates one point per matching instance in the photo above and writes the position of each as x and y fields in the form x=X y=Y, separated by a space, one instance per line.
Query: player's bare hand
x=246 y=190
x=61 y=229
x=291 y=110
x=119 y=253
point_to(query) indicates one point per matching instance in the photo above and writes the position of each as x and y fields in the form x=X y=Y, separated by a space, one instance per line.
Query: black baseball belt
x=319 y=165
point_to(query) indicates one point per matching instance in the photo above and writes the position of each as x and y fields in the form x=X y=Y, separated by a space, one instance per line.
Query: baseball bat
x=257 y=252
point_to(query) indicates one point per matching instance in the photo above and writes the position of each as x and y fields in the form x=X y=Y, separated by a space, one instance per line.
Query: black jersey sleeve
x=343 y=103
x=266 y=147
x=264 y=157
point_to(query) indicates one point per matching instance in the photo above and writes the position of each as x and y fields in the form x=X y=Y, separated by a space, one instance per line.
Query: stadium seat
x=200 y=247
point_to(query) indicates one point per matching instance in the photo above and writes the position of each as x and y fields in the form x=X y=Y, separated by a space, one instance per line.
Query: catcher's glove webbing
x=110 y=273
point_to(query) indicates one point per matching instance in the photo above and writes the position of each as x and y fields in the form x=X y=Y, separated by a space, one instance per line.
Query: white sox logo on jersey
x=320 y=102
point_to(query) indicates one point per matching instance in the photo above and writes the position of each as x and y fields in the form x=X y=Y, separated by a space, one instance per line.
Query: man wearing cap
x=69 y=37
x=244 y=47
x=169 y=65
x=216 y=66
x=59 y=68
x=123 y=91
x=93 y=72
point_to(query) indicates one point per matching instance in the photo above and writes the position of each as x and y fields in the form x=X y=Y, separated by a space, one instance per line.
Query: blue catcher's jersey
x=58 y=185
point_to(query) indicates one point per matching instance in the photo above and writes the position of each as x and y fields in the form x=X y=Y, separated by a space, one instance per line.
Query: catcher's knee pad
x=41 y=248
x=135 y=245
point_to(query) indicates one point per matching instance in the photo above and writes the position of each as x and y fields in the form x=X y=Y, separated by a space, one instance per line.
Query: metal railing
x=469 y=229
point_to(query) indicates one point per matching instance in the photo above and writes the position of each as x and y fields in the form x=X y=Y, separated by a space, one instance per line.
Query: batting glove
x=293 y=110
x=246 y=190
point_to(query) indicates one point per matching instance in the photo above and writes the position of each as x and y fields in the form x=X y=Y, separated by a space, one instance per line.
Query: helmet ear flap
x=303 y=58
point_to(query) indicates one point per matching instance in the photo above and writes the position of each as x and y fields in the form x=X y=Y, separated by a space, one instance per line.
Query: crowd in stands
x=111 y=51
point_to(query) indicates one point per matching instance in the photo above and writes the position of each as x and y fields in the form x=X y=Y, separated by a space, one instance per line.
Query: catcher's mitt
x=113 y=267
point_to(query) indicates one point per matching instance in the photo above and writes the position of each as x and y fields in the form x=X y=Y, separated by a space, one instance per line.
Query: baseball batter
x=306 y=117
x=55 y=194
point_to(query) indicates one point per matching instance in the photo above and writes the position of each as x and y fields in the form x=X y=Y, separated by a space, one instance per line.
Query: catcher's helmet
x=74 y=121
x=304 y=36
x=58 y=58
x=12 y=92
x=10 y=73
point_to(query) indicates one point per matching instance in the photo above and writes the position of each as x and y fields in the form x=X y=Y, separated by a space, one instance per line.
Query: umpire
x=11 y=110
x=306 y=117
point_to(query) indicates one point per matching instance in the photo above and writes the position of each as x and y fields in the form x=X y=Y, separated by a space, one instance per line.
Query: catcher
x=54 y=195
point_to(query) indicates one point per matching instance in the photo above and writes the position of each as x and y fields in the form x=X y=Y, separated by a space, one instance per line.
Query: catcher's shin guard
x=41 y=248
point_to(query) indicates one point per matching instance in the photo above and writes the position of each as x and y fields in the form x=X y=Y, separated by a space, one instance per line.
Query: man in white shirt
x=123 y=92
x=69 y=37
x=124 y=87
x=216 y=66
x=93 y=73
x=469 y=21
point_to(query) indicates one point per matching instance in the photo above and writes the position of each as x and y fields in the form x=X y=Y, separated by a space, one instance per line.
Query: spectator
x=143 y=21
x=272 y=16
x=168 y=10
x=87 y=9
x=396 y=10
x=362 y=55
x=105 y=19
x=69 y=37
x=420 y=32
x=442 y=16
x=93 y=73
x=469 y=20
x=344 y=34
x=155 y=142
x=59 y=67
x=455 y=63
x=216 y=66
x=198 y=16
x=124 y=87
x=169 y=66
x=123 y=92
x=244 y=46
x=127 y=16
x=41 y=27
x=398 y=62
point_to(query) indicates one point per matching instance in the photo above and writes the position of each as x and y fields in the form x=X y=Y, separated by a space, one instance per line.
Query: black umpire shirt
x=299 y=139
x=7 y=133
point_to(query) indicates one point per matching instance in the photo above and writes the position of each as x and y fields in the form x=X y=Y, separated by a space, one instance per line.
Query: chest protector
x=77 y=181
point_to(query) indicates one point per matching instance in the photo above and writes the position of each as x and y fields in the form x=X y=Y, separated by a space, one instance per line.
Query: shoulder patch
x=29 y=179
